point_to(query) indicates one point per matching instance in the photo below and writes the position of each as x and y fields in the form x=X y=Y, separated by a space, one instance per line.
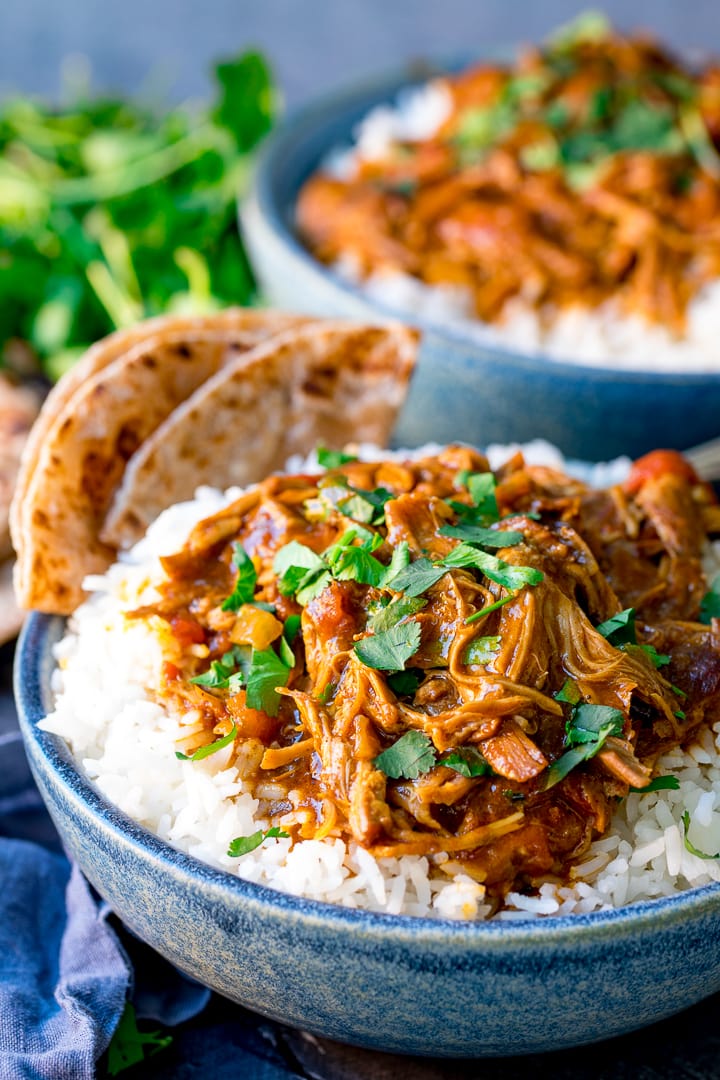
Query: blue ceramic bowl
x=463 y=390
x=392 y=983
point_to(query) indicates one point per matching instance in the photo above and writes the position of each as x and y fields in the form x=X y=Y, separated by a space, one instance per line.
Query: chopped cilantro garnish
x=292 y=627
x=482 y=650
x=411 y=755
x=367 y=507
x=585 y=733
x=333 y=459
x=399 y=560
x=267 y=671
x=129 y=1046
x=481 y=486
x=211 y=748
x=620 y=630
x=467 y=761
x=477 y=534
x=326 y=693
x=680 y=714
x=417 y=577
x=392 y=613
x=241 y=845
x=299 y=569
x=689 y=844
x=230 y=669
x=389 y=650
x=503 y=573
x=490 y=607
x=348 y=562
x=710 y=603
x=245 y=583
x=568 y=693
x=660 y=783
x=405 y=683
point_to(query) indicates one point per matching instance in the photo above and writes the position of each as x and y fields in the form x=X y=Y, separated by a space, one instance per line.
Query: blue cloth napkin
x=64 y=973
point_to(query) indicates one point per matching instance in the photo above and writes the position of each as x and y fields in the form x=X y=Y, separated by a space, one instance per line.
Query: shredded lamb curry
x=428 y=658
x=586 y=170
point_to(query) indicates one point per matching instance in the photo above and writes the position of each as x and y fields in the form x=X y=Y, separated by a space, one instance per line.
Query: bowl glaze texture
x=463 y=390
x=392 y=983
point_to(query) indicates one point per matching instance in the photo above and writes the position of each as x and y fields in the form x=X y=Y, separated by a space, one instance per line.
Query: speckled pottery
x=463 y=390
x=387 y=982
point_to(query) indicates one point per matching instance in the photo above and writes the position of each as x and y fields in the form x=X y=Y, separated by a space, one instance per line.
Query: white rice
x=125 y=743
x=604 y=336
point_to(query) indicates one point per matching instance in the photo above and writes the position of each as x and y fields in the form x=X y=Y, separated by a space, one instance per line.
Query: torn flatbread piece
x=325 y=383
x=67 y=482
x=254 y=324
x=248 y=407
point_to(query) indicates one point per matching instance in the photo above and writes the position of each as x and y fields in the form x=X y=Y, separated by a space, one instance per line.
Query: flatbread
x=91 y=431
x=256 y=323
x=326 y=383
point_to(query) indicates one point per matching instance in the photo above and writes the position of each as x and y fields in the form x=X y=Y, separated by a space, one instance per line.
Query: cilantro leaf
x=389 y=650
x=241 y=845
x=350 y=563
x=477 y=534
x=482 y=650
x=660 y=783
x=392 y=613
x=568 y=693
x=405 y=683
x=490 y=607
x=710 y=603
x=417 y=577
x=333 y=459
x=411 y=755
x=585 y=733
x=301 y=571
x=129 y=1045
x=619 y=629
x=399 y=560
x=497 y=570
x=689 y=844
x=231 y=667
x=266 y=672
x=245 y=583
x=482 y=492
x=593 y=724
x=291 y=628
x=467 y=761
x=211 y=748
x=292 y=563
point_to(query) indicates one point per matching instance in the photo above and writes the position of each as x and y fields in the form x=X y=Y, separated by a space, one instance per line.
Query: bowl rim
x=260 y=211
x=33 y=664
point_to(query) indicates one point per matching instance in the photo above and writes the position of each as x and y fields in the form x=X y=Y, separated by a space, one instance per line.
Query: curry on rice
x=428 y=658
x=585 y=171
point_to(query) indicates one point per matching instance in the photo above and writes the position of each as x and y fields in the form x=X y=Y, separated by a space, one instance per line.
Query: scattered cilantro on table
x=129 y=1045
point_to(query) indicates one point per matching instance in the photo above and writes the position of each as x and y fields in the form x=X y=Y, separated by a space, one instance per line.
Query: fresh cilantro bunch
x=111 y=210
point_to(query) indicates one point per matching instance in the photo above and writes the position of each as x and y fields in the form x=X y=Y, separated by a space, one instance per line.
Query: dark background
x=314 y=45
